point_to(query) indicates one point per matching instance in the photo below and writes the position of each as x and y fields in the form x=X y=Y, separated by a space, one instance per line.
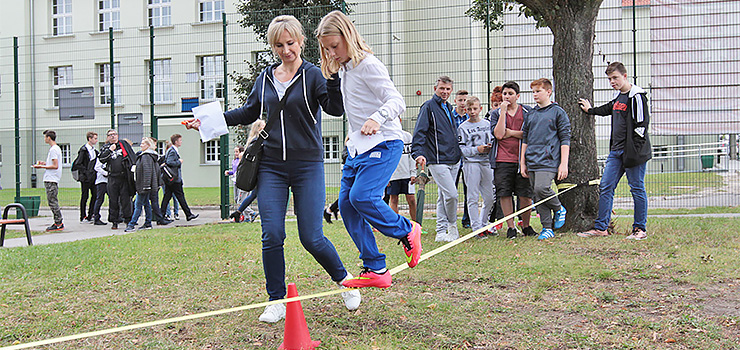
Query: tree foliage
x=491 y=13
x=256 y=15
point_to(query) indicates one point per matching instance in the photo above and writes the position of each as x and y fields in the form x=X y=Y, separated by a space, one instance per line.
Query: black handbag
x=248 y=168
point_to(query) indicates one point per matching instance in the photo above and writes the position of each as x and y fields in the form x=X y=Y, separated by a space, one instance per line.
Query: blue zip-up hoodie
x=435 y=137
x=296 y=134
x=545 y=129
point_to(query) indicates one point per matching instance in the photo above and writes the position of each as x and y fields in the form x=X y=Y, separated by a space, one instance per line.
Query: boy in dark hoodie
x=545 y=151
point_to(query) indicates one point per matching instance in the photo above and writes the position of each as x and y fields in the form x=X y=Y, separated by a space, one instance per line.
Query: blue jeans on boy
x=142 y=200
x=613 y=171
x=306 y=180
x=364 y=179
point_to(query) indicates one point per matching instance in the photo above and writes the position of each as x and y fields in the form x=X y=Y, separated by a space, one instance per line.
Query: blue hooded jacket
x=296 y=134
x=435 y=136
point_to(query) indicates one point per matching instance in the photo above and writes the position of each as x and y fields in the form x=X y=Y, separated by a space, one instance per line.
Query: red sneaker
x=412 y=244
x=369 y=278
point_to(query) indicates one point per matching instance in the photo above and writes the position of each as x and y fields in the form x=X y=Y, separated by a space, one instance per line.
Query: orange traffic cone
x=296 y=335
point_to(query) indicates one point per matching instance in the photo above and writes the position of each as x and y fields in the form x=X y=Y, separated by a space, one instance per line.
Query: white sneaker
x=273 y=313
x=352 y=298
x=441 y=237
x=452 y=233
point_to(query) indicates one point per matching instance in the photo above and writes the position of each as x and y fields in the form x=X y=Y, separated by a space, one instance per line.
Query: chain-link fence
x=694 y=165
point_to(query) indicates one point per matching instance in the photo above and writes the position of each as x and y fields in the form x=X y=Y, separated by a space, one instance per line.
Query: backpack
x=78 y=168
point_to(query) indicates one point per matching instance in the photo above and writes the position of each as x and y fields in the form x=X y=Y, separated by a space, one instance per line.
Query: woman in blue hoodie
x=293 y=158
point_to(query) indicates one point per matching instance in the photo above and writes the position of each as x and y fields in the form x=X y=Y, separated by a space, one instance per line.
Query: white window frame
x=210 y=10
x=161 y=147
x=159 y=13
x=109 y=14
x=61 y=17
x=1 y=155
x=163 y=81
x=332 y=149
x=104 y=83
x=211 y=152
x=66 y=153
x=211 y=77
x=61 y=76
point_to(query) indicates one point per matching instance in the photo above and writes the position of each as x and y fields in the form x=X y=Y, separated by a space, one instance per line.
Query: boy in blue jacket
x=544 y=155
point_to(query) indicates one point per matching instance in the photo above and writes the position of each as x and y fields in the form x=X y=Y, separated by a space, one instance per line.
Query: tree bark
x=573 y=29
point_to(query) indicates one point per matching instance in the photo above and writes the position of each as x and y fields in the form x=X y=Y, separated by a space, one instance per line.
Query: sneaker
x=100 y=223
x=130 y=228
x=352 y=298
x=482 y=235
x=327 y=215
x=273 y=313
x=559 y=218
x=253 y=216
x=442 y=237
x=493 y=231
x=369 y=278
x=412 y=245
x=511 y=233
x=529 y=231
x=638 y=234
x=545 y=234
x=593 y=233
x=163 y=222
x=452 y=233
x=145 y=227
x=55 y=228
x=177 y=216
x=236 y=215
x=191 y=217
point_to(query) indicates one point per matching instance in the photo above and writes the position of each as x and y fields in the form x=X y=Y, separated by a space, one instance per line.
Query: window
x=160 y=13
x=62 y=77
x=104 y=82
x=210 y=152
x=211 y=10
x=332 y=151
x=66 y=153
x=109 y=14
x=61 y=17
x=162 y=80
x=161 y=147
x=211 y=77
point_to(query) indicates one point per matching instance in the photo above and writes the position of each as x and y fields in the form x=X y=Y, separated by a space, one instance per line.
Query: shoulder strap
x=273 y=117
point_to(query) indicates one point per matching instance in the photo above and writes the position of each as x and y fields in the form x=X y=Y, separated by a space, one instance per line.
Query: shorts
x=509 y=182
x=400 y=186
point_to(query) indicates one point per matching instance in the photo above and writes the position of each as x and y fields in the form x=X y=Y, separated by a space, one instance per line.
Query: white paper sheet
x=363 y=143
x=212 y=122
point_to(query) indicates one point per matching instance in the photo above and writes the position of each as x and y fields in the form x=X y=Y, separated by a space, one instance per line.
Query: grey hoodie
x=545 y=129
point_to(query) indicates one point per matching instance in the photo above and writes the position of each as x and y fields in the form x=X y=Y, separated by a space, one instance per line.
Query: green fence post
x=152 y=119
x=224 y=140
x=111 y=78
x=16 y=92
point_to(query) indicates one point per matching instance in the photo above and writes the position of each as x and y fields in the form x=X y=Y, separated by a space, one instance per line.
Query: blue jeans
x=613 y=171
x=167 y=208
x=364 y=179
x=143 y=200
x=306 y=180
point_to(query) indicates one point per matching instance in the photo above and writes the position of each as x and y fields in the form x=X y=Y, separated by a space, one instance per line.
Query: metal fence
x=418 y=41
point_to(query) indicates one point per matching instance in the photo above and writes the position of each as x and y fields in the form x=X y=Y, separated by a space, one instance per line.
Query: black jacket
x=435 y=136
x=637 y=148
x=84 y=165
x=147 y=172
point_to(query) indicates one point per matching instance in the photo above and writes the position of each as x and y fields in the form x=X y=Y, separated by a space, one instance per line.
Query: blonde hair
x=283 y=23
x=151 y=142
x=337 y=23
x=257 y=126
x=472 y=100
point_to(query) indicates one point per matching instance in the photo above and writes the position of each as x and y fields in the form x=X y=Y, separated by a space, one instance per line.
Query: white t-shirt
x=53 y=175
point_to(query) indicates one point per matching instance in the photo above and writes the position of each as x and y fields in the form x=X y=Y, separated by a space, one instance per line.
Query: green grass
x=671 y=184
x=567 y=293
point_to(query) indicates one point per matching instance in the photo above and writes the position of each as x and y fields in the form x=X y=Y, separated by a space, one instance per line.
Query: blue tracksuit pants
x=361 y=204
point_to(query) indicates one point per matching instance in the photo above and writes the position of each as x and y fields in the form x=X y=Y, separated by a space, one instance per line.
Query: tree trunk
x=572 y=56
x=573 y=28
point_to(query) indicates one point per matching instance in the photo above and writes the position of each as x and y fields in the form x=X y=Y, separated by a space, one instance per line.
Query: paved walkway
x=74 y=230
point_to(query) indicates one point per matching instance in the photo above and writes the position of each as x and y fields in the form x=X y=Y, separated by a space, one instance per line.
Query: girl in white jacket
x=373 y=106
